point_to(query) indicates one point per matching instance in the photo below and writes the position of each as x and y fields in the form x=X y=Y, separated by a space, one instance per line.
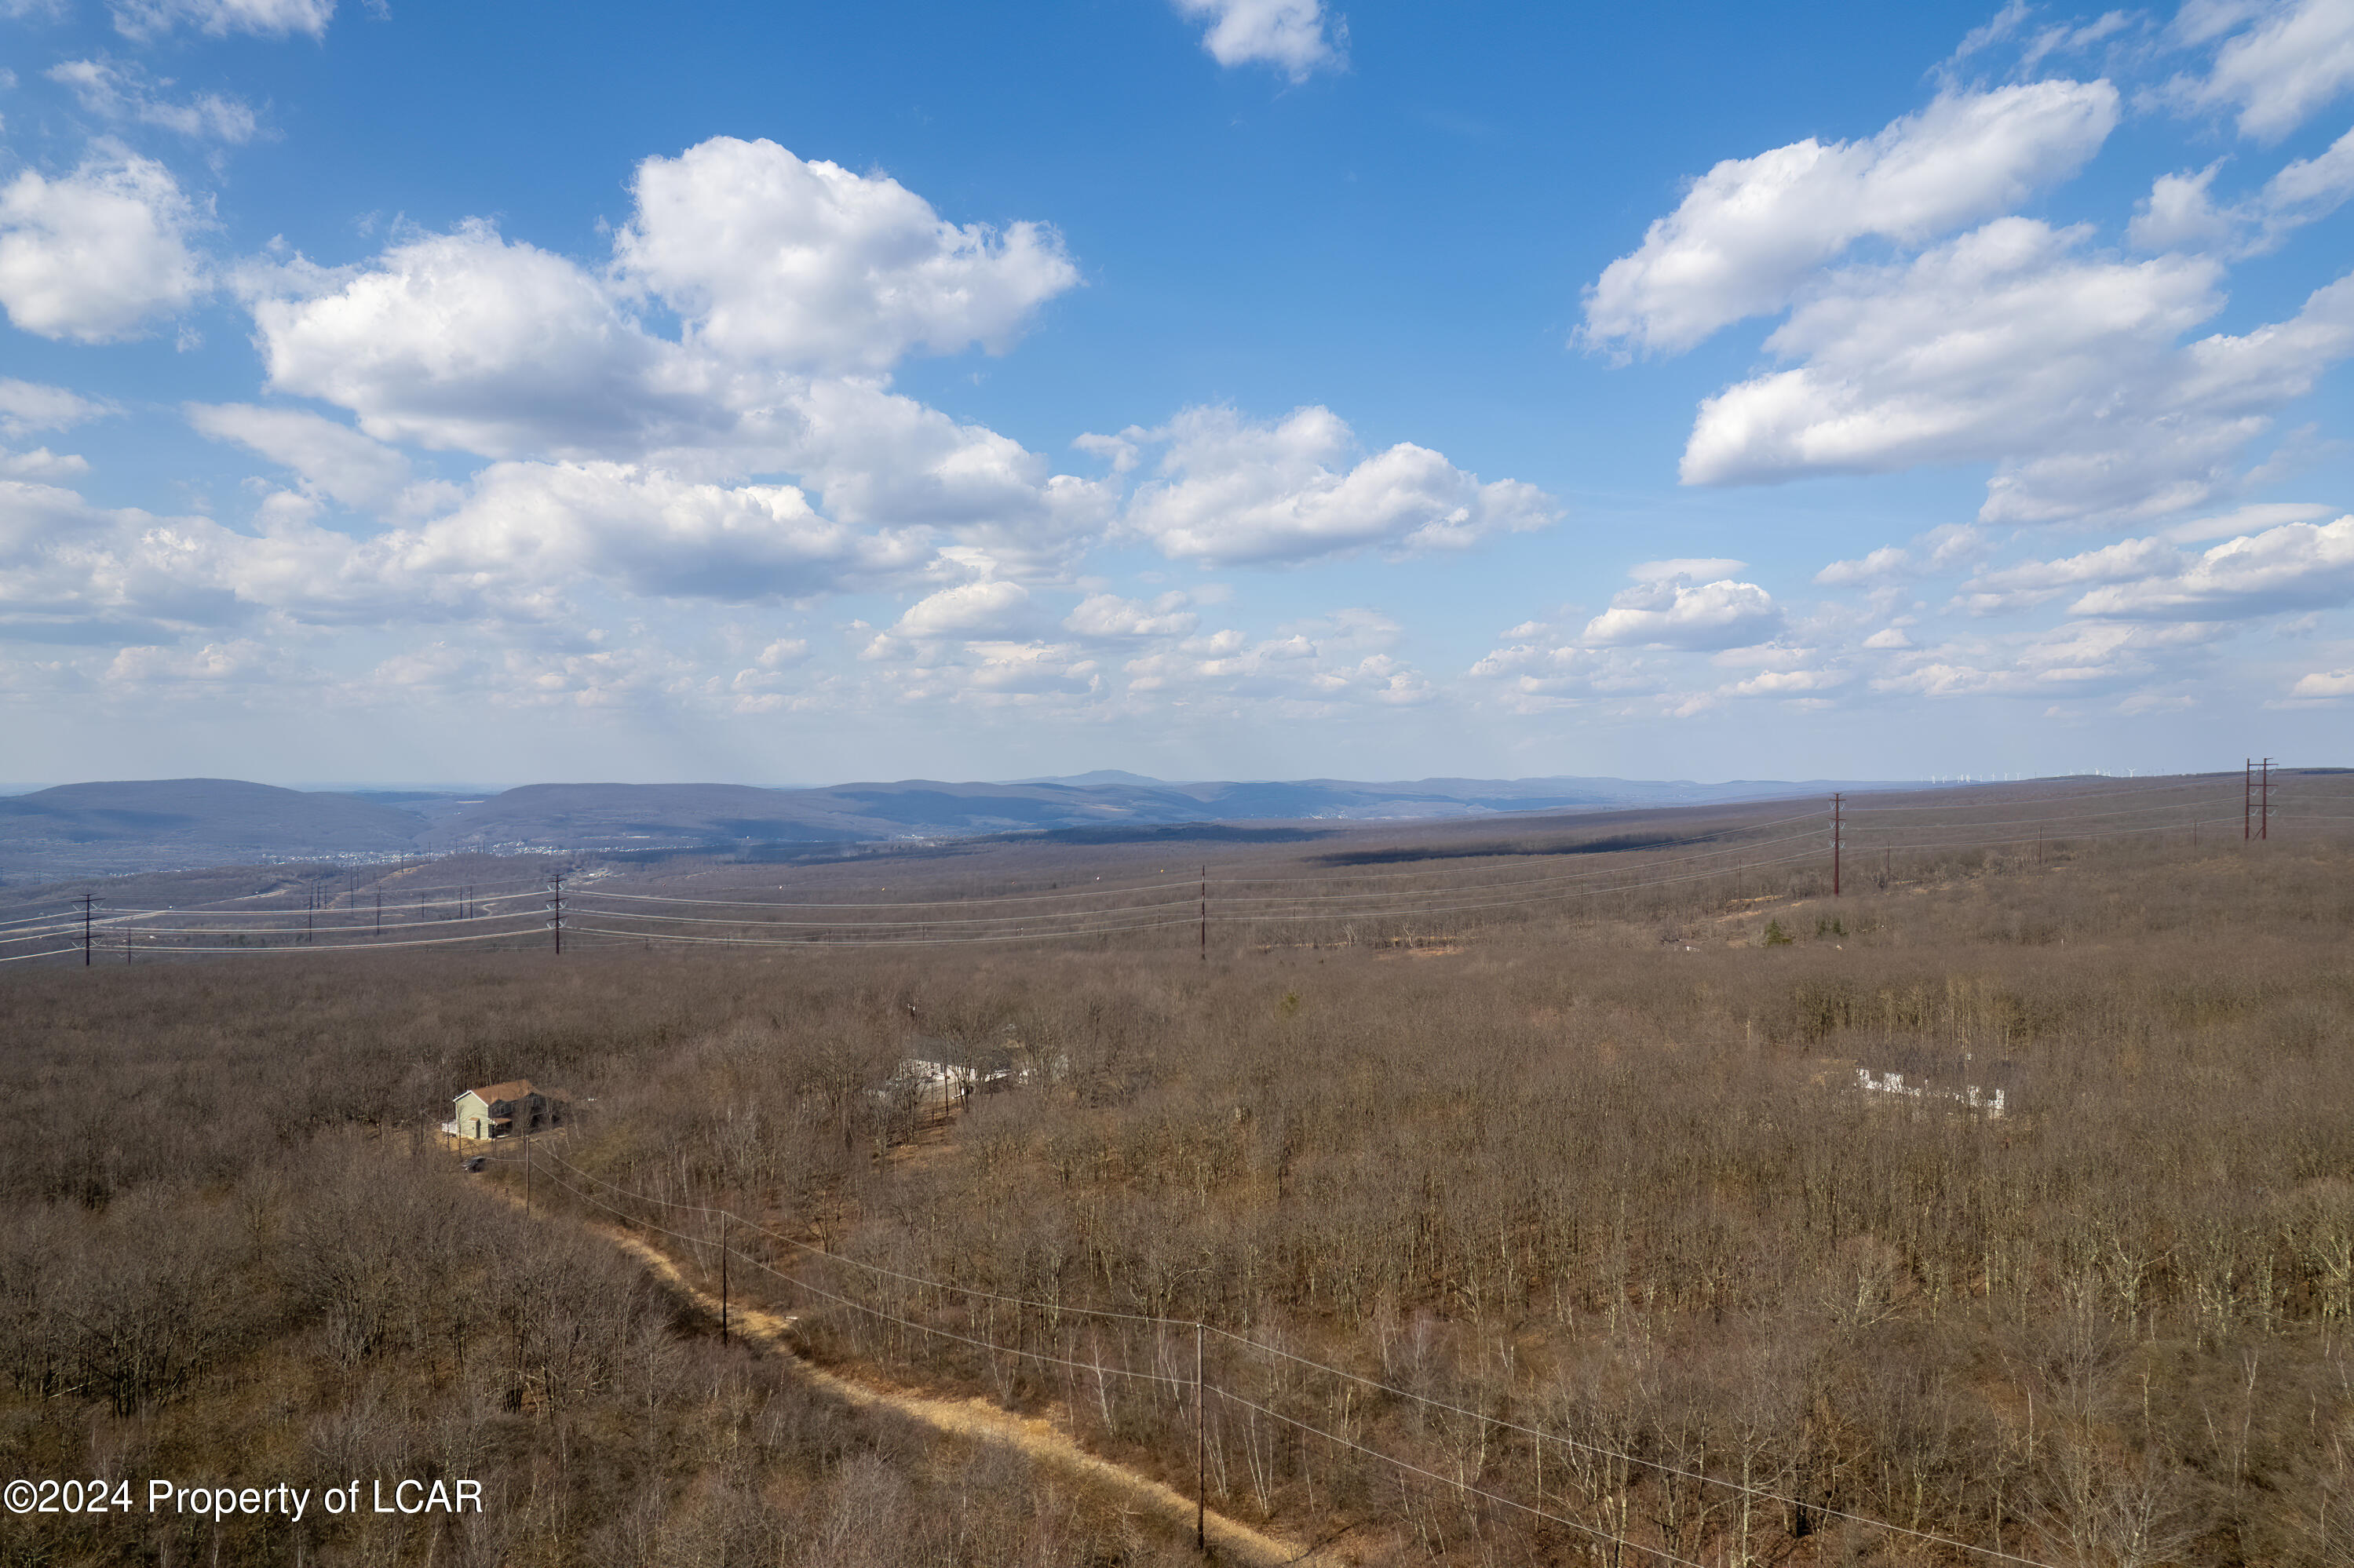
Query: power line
x=991 y=1345
x=1457 y=1483
x=890 y=924
x=1291 y=912
x=919 y=941
x=1155 y=884
x=362 y=927
x=1278 y=917
x=21 y=957
x=926 y=1282
x=2191 y=781
x=1660 y=1467
x=2045 y=821
x=1321 y=899
x=361 y=947
x=2103 y=834
x=212 y=913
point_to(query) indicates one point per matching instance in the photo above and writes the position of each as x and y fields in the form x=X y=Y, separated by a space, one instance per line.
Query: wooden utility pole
x=89 y=901
x=556 y=911
x=1206 y=914
x=1201 y=1491
x=1838 y=824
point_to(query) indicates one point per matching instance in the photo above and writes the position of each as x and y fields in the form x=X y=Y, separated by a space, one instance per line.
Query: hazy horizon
x=330 y=787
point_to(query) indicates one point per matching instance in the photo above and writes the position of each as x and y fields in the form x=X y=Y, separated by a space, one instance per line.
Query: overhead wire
x=35 y=920
x=1276 y=918
x=2190 y=781
x=1457 y=1482
x=362 y=946
x=916 y=941
x=1187 y=896
x=356 y=910
x=1243 y=1341
x=2036 y=822
x=924 y=1281
x=991 y=1345
x=356 y=924
x=1858 y=847
x=1168 y=880
x=905 y=924
x=1659 y=1466
x=1586 y=875
x=1227 y=903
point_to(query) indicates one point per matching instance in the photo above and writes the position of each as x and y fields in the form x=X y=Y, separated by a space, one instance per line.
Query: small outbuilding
x=501 y=1110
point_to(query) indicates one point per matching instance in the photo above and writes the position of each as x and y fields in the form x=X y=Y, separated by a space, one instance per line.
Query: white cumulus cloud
x=652 y=533
x=2078 y=659
x=880 y=459
x=784 y=275
x=969 y=610
x=218 y=18
x=1108 y=615
x=809 y=266
x=239 y=662
x=1232 y=490
x=1296 y=36
x=2325 y=684
x=1946 y=547
x=471 y=341
x=2297 y=565
x=1697 y=567
x=2009 y=345
x=121 y=91
x=1681 y=614
x=2035 y=582
x=334 y=459
x=2293 y=58
x=97 y=254
x=29 y=406
x=1753 y=230
x=2181 y=212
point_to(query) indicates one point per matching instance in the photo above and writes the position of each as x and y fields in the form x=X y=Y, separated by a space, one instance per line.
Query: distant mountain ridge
x=128 y=826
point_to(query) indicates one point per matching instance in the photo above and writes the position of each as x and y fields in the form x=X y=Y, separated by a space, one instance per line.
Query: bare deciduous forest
x=1588 y=1207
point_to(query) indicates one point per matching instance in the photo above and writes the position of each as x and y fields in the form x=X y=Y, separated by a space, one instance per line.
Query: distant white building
x=1988 y=1102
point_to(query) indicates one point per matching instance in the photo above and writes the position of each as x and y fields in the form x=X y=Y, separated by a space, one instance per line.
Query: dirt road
x=978 y=1420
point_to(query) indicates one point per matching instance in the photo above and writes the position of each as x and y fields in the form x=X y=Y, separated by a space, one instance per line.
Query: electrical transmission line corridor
x=1256 y=1458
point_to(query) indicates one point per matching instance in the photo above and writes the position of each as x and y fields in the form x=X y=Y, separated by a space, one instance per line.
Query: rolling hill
x=127 y=827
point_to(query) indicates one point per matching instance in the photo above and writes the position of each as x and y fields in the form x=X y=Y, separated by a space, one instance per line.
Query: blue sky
x=1204 y=387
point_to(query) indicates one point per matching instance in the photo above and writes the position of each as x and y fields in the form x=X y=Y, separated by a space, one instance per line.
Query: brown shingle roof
x=513 y=1089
